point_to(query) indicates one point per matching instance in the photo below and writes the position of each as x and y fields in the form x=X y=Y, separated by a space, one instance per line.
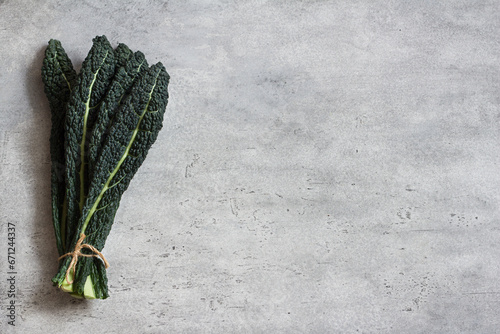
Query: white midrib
x=84 y=135
x=66 y=79
x=120 y=162
x=62 y=72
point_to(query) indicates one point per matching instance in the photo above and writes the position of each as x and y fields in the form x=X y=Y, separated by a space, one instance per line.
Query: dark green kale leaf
x=122 y=55
x=59 y=79
x=93 y=81
x=120 y=86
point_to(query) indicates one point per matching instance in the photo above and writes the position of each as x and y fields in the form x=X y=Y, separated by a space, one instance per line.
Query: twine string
x=78 y=252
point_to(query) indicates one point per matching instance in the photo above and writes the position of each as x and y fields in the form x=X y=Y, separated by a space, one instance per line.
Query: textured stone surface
x=325 y=167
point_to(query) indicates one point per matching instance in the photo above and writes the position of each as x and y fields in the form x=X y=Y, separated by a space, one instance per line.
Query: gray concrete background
x=325 y=167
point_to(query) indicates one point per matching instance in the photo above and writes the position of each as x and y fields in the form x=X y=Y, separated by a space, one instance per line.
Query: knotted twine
x=77 y=252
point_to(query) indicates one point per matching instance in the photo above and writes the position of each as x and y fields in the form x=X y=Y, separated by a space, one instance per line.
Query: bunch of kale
x=104 y=120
